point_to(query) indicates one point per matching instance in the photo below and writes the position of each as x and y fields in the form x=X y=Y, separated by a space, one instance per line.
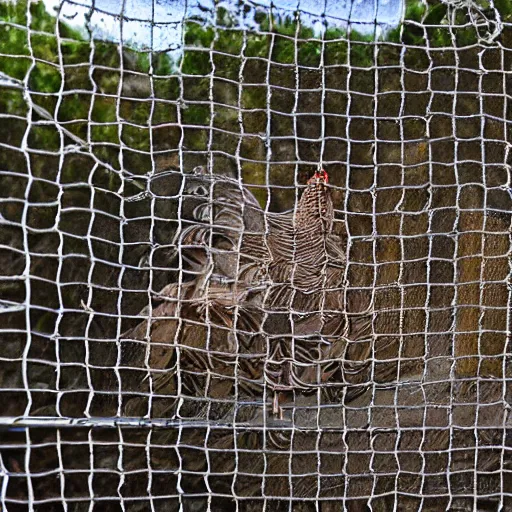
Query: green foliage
x=254 y=97
x=410 y=33
x=15 y=67
x=63 y=56
x=283 y=50
x=361 y=50
x=136 y=111
x=45 y=47
x=162 y=64
x=136 y=138
x=73 y=106
x=13 y=38
x=196 y=62
x=414 y=11
x=504 y=8
x=136 y=60
x=196 y=114
x=336 y=47
x=45 y=138
x=104 y=110
x=310 y=53
x=435 y=26
x=258 y=45
x=75 y=52
x=287 y=39
x=12 y=102
x=229 y=41
x=430 y=18
x=167 y=88
x=41 y=20
x=45 y=78
x=14 y=12
x=198 y=39
x=436 y=14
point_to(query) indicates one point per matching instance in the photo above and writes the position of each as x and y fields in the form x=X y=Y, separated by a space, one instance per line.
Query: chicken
x=260 y=302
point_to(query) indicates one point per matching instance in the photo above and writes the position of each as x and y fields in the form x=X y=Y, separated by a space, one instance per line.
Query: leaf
x=436 y=14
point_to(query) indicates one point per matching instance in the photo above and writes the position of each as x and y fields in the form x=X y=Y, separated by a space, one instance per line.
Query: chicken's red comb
x=322 y=174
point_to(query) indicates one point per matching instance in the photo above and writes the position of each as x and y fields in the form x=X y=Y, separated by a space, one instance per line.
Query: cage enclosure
x=255 y=255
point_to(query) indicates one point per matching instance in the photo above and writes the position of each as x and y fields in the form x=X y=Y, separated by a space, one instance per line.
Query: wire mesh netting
x=255 y=256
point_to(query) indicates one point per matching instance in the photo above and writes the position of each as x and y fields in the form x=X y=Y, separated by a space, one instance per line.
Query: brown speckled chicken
x=260 y=302
x=306 y=288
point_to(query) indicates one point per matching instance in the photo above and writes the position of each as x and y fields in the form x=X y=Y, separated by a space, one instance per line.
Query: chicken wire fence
x=255 y=256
